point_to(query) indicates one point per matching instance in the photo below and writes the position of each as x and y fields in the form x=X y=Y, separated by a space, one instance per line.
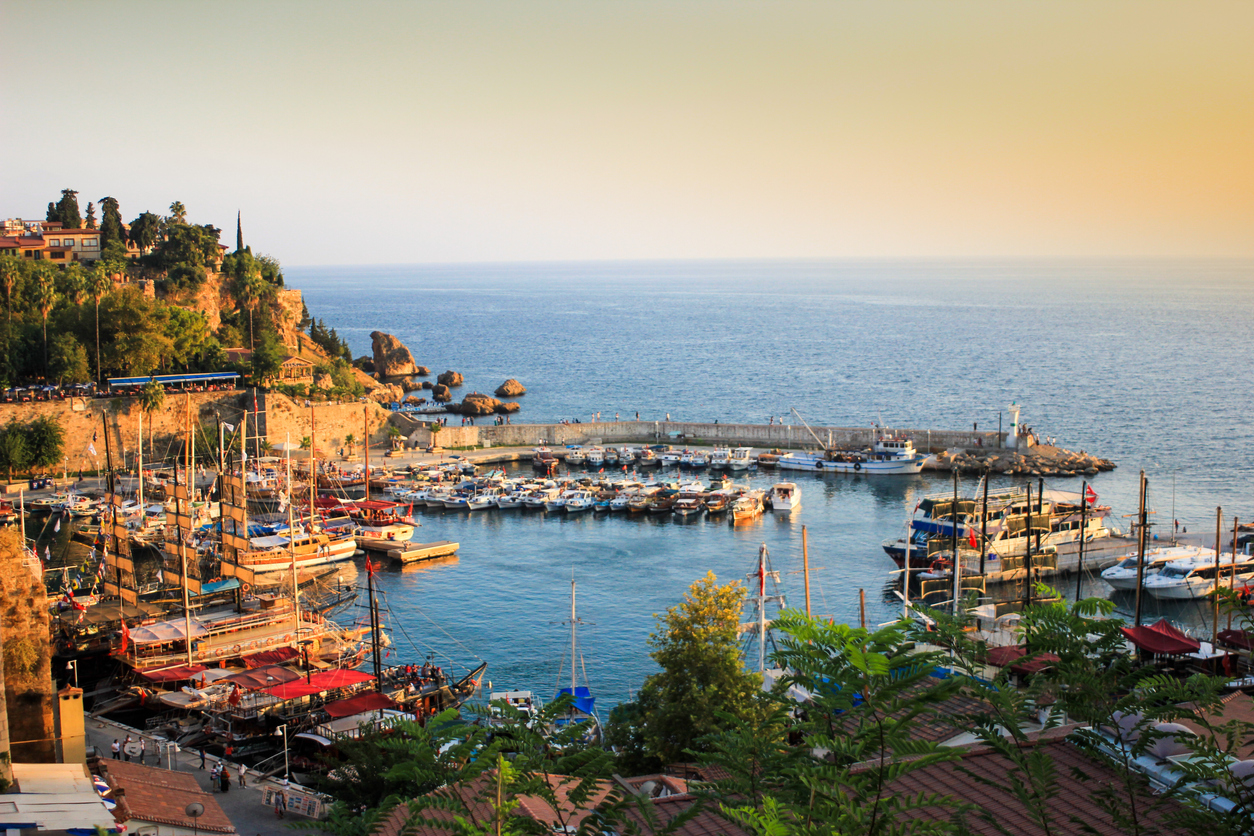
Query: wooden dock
x=417 y=552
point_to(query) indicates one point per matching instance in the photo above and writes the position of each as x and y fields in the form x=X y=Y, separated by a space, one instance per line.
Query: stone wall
x=754 y=435
x=28 y=689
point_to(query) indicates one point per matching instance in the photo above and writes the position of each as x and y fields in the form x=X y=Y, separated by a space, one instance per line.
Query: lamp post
x=72 y=666
x=304 y=648
x=283 y=731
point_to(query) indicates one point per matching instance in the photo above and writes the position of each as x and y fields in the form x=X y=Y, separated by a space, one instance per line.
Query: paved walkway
x=244 y=807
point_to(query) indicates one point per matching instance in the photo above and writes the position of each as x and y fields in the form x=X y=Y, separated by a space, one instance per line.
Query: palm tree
x=151 y=397
x=74 y=283
x=250 y=287
x=306 y=442
x=10 y=269
x=349 y=440
x=99 y=283
x=45 y=298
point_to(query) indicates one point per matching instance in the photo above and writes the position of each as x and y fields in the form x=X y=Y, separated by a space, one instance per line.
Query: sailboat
x=583 y=705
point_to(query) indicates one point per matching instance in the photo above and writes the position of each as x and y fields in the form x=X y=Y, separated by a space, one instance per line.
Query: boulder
x=324 y=381
x=366 y=364
x=391 y=357
x=414 y=400
x=426 y=384
x=506 y=407
x=476 y=404
x=450 y=379
x=510 y=389
x=440 y=393
x=385 y=394
x=422 y=371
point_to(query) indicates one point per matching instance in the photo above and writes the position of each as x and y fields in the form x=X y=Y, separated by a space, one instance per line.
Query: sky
x=410 y=132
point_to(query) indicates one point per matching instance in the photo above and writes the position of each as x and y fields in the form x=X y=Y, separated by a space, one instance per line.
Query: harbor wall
x=751 y=435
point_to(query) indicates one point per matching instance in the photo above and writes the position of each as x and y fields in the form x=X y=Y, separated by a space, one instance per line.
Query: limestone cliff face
x=28 y=693
x=215 y=296
x=391 y=357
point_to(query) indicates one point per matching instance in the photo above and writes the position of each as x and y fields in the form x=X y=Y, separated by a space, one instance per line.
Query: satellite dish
x=194 y=810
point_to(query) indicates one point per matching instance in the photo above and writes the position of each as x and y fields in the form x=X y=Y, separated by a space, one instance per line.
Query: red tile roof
x=1077 y=779
x=1236 y=706
x=161 y=796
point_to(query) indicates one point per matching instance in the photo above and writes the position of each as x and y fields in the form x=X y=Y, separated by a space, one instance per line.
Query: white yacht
x=1194 y=577
x=594 y=457
x=1123 y=574
x=719 y=459
x=740 y=459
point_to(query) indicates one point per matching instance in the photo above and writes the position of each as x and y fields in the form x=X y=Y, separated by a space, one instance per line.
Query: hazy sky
x=364 y=132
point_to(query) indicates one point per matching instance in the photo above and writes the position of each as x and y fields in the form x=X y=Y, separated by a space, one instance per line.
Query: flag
x=228 y=427
x=972 y=538
x=126 y=638
x=47 y=552
x=234 y=699
x=1090 y=496
x=57 y=527
x=91 y=448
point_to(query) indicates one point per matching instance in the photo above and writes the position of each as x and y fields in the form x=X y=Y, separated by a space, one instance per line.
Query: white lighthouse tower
x=1012 y=439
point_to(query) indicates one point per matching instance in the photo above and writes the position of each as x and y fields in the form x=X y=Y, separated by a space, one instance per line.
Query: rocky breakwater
x=1041 y=460
x=479 y=404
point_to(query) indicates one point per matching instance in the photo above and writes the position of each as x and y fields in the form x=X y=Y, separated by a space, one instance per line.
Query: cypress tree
x=52 y=212
x=67 y=210
x=239 y=233
x=90 y=220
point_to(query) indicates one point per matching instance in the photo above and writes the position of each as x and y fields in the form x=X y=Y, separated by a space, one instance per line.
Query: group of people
x=122 y=749
x=418 y=676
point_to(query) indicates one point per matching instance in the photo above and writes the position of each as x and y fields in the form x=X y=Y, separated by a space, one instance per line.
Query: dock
x=417 y=552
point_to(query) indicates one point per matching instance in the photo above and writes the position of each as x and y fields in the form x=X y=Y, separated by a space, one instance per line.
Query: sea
x=1141 y=362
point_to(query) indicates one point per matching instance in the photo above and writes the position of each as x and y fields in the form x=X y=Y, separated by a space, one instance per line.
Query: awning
x=1161 y=637
x=583 y=699
x=317 y=683
x=173 y=674
x=372 y=701
x=270 y=657
x=219 y=586
x=1007 y=656
x=1237 y=639
x=262 y=678
x=167 y=631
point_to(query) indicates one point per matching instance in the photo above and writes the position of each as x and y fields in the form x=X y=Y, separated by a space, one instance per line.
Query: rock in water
x=476 y=404
x=423 y=371
x=510 y=389
x=413 y=400
x=450 y=379
x=440 y=393
x=391 y=357
x=506 y=407
x=426 y=384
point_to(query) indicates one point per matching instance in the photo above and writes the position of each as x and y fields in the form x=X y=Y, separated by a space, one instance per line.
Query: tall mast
x=291 y=544
x=1084 y=521
x=313 y=468
x=374 y=626
x=762 y=608
x=1219 y=521
x=1140 y=549
x=139 y=468
x=180 y=505
x=984 y=525
x=365 y=443
x=573 y=649
x=957 y=567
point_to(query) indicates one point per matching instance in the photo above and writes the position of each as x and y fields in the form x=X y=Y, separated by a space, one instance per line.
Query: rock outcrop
x=506 y=407
x=510 y=389
x=426 y=384
x=1037 y=461
x=324 y=381
x=422 y=371
x=450 y=379
x=479 y=404
x=440 y=393
x=386 y=393
x=391 y=357
x=414 y=400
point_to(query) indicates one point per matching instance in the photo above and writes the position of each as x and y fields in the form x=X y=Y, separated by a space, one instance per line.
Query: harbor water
x=1139 y=362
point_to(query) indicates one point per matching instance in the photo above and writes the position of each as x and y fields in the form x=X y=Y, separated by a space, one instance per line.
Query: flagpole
x=291 y=542
x=1084 y=518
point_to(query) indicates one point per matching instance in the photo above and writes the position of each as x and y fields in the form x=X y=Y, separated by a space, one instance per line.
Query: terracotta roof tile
x=160 y=796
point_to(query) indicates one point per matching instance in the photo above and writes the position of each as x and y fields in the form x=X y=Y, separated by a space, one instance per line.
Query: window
x=91 y=243
x=54 y=242
x=57 y=255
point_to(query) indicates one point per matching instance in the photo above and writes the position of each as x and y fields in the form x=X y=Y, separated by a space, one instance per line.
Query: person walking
x=117 y=747
x=143 y=749
x=241 y=771
x=202 y=758
x=126 y=755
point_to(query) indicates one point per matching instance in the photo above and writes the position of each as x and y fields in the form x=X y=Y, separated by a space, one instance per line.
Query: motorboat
x=720 y=459
x=524 y=703
x=785 y=496
x=688 y=504
x=740 y=458
x=888 y=455
x=671 y=458
x=578 y=501
x=575 y=456
x=746 y=506
x=594 y=457
x=1195 y=577
x=718 y=501
x=1123 y=574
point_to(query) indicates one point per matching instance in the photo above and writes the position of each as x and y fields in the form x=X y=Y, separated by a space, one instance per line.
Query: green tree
x=178 y=212
x=67 y=210
x=144 y=231
x=72 y=283
x=133 y=332
x=267 y=358
x=867 y=692
x=45 y=440
x=99 y=283
x=51 y=214
x=90 y=220
x=68 y=360
x=11 y=269
x=349 y=441
x=188 y=332
x=702 y=677
x=250 y=288
x=45 y=298
x=14 y=452
x=111 y=228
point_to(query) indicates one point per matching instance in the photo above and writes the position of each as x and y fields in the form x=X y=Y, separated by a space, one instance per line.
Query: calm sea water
x=1140 y=362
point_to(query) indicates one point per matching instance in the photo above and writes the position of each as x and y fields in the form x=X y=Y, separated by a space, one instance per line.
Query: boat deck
x=415 y=552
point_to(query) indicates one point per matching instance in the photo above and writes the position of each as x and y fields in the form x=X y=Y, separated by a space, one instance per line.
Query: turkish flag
x=1090 y=496
x=971 y=539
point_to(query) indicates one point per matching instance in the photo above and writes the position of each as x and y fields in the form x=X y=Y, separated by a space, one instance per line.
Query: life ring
x=200 y=655
x=236 y=649
x=857 y=465
x=288 y=637
x=818 y=465
x=219 y=652
x=245 y=588
x=269 y=641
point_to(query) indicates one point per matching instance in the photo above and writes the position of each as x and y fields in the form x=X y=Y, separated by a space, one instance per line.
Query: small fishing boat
x=718 y=501
x=575 y=456
x=688 y=504
x=785 y=496
x=523 y=702
x=747 y=506
x=740 y=458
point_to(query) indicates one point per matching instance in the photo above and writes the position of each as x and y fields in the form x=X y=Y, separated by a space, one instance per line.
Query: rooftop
x=161 y=796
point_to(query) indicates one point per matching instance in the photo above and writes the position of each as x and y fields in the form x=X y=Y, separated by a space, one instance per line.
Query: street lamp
x=72 y=665
x=283 y=731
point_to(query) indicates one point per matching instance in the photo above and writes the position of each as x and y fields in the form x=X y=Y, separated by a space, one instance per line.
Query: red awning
x=1161 y=637
x=1008 y=656
x=1238 y=639
x=262 y=678
x=317 y=683
x=372 y=701
x=270 y=657
x=173 y=674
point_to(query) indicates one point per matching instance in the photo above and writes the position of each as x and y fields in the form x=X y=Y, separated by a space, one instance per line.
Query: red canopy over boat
x=317 y=683
x=1161 y=637
x=173 y=674
x=356 y=705
x=270 y=657
x=262 y=678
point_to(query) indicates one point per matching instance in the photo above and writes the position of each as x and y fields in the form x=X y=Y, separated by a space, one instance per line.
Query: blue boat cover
x=219 y=586
x=584 y=701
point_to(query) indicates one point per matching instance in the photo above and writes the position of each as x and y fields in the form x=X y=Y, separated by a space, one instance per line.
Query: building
x=296 y=369
x=36 y=240
x=153 y=801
